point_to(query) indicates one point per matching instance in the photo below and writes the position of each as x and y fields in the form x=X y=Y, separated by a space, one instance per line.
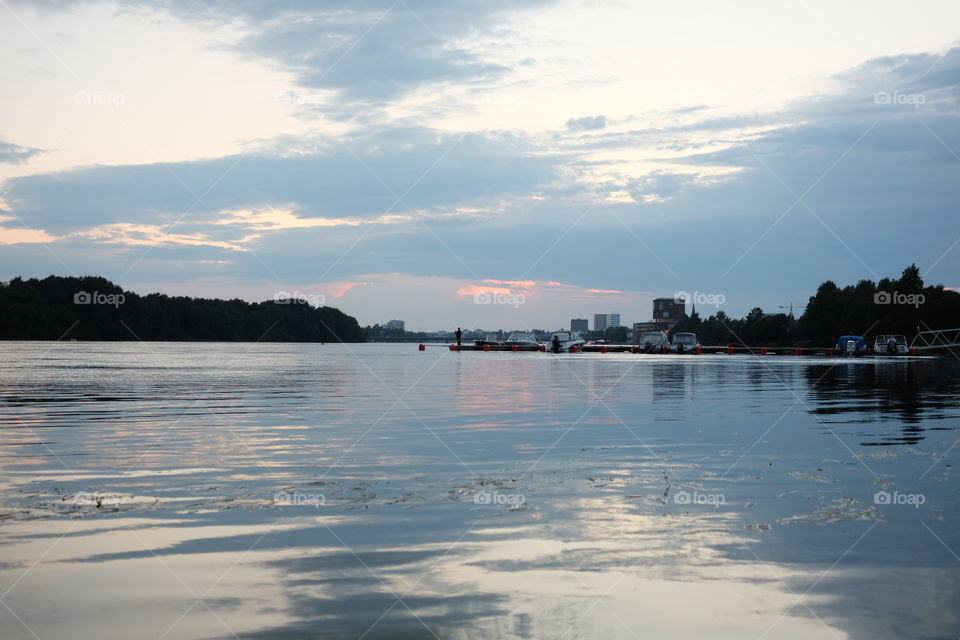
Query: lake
x=174 y=490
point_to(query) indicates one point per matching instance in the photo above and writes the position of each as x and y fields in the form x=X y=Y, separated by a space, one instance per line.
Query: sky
x=483 y=164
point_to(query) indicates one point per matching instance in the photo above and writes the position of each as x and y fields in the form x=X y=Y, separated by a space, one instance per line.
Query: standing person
x=459 y=334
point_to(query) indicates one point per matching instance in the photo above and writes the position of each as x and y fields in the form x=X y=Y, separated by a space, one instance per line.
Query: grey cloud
x=588 y=123
x=16 y=154
x=360 y=178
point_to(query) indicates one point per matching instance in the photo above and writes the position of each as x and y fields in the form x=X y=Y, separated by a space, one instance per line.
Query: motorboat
x=851 y=346
x=890 y=345
x=491 y=339
x=684 y=343
x=563 y=340
x=653 y=341
x=523 y=342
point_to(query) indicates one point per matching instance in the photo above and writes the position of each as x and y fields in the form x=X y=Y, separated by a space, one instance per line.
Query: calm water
x=300 y=491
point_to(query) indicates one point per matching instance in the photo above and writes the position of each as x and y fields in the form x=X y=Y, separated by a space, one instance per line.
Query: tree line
x=93 y=308
x=901 y=306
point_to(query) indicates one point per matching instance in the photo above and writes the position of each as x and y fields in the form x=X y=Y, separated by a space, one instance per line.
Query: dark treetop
x=93 y=308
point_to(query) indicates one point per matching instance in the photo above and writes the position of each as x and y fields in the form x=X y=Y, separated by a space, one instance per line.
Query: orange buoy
x=423 y=347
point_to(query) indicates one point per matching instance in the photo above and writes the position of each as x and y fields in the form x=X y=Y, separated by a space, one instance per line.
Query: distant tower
x=693 y=308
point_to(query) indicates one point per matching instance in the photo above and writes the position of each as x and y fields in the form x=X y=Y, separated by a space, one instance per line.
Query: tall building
x=579 y=325
x=668 y=311
x=604 y=321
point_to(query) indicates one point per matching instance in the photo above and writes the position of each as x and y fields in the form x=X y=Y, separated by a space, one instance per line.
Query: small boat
x=563 y=340
x=653 y=341
x=491 y=339
x=851 y=346
x=684 y=343
x=890 y=345
x=523 y=342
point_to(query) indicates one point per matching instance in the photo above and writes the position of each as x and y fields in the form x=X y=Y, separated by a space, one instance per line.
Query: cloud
x=16 y=154
x=369 y=176
x=587 y=123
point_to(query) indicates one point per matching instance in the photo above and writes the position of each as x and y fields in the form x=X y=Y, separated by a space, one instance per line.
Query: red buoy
x=453 y=347
x=831 y=351
x=486 y=347
x=515 y=347
x=423 y=347
x=543 y=348
x=573 y=349
x=664 y=349
x=729 y=350
x=603 y=348
x=698 y=350
x=798 y=351
x=914 y=351
x=633 y=349
x=763 y=351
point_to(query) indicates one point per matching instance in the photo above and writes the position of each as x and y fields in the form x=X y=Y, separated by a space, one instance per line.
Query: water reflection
x=610 y=454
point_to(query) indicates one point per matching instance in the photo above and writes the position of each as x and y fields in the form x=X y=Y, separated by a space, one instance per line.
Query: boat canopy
x=859 y=343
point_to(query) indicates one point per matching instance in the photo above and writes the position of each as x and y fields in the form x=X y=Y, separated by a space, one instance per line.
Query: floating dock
x=729 y=350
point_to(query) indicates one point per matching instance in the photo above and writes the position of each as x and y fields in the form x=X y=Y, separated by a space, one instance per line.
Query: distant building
x=579 y=324
x=668 y=312
x=640 y=327
x=604 y=321
x=395 y=325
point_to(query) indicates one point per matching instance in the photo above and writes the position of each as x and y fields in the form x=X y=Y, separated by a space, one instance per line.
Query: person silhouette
x=459 y=334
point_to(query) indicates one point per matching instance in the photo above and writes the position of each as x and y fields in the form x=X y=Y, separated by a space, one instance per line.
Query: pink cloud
x=524 y=284
x=603 y=291
x=340 y=288
x=474 y=289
